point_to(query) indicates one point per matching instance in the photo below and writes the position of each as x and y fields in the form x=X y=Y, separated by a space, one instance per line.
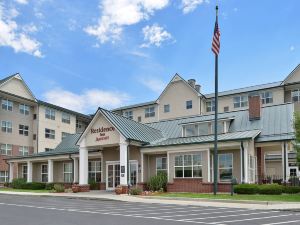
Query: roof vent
x=192 y=82
x=198 y=87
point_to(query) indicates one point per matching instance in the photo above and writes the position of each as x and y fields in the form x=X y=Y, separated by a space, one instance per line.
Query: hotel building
x=174 y=134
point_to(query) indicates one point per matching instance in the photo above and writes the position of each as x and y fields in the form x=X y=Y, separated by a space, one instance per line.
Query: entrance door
x=113 y=175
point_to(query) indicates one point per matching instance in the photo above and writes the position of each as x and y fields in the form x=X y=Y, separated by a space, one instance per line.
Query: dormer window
x=210 y=106
x=150 y=112
x=128 y=114
x=267 y=97
x=190 y=130
x=240 y=101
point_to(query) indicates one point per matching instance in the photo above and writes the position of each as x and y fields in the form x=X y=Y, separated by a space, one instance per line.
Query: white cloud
x=153 y=84
x=139 y=54
x=13 y=35
x=190 y=5
x=117 y=14
x=23 y=2
x=155 y=35
x=292 y=48
x=87 y=101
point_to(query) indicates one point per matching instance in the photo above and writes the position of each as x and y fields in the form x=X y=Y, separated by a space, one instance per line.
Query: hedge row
x=22 y=184
x=267 y=189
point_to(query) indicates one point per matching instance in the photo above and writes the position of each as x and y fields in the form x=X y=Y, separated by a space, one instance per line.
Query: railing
x=275 y=179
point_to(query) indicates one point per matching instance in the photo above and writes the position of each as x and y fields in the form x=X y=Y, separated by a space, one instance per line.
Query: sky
x=83 y=54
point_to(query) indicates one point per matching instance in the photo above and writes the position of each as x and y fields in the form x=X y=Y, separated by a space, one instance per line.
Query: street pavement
x=37 y=210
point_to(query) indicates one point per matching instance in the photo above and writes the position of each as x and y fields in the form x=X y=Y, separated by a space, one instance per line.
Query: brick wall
x=254 y=107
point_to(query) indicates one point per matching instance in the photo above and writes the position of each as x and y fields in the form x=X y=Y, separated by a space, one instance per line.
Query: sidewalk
x=104 y=195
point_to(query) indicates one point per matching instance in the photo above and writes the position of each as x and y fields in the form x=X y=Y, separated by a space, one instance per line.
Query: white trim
x=168 y=165
x=208 y=166
x=161 y=157
x=219 y=180
x=142 y=167
x=67 y=172
x=192 y=165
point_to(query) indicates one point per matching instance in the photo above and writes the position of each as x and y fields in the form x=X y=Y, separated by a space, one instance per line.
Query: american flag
x=216 y=39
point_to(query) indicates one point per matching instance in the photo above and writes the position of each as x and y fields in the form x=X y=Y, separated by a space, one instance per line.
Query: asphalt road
x=27 y=210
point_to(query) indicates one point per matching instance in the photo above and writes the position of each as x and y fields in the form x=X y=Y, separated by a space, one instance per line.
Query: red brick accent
x=254 y=107
x=142 y=186
x=82 y=188
x=260 y=161
x=102 y=186
x=195 y=185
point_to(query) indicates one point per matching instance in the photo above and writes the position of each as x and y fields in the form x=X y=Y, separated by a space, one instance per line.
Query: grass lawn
x=279 y=198
x=24 y=190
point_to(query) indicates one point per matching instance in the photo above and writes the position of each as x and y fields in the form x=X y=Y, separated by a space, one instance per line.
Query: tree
x=297 y=134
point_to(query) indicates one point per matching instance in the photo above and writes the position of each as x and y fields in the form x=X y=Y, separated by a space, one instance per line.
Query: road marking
x=257 y=218
x=294 y=221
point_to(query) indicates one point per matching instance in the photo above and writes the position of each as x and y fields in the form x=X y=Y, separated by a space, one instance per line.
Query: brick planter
x=81 y=188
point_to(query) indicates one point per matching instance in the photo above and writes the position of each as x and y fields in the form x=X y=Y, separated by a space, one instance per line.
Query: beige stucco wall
x=176 y=95
x=140 y=112
x=294 y=78
x=56 y=125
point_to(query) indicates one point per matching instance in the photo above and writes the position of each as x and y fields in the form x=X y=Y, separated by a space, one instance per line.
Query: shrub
x=34 y=186
x=158 y=182
x=49 y=186
x=59 y=188
x=270 y=189
x=291 y=189
x=249 y=189
x=18 y=183
x=93 y=184
x=135 y=191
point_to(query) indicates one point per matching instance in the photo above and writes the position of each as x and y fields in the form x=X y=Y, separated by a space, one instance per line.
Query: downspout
x=70 y=157
x=243 y=162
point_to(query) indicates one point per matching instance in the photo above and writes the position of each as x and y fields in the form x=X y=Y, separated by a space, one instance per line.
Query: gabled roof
x=135 y=106
x=291 y=74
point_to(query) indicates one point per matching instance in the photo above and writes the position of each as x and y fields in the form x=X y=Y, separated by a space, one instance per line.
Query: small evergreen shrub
x=34 y=186
x=158 y=182
x=49 y=186
x=291 y=189
x=135 y=191
x=270 y=189
x=59 y=188
x=93 y=185
x=18 y=183
x=249 y=189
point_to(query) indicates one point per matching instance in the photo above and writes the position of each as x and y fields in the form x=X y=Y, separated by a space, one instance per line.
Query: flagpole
x=216 y=121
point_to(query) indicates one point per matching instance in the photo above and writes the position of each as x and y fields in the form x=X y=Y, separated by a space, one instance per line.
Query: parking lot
x=50 y=210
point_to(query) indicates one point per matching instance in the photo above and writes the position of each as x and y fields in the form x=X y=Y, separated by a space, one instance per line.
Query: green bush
x=59 y=188
x=270 y=189
x=34 y=186
x=291 y=189
x=93 y=184
x=158 y=182
x=49 y=186
x=249 y=189
x=18 y=183
x=135 y=191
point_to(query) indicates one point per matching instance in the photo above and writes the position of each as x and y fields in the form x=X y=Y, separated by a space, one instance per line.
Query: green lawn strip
x=23 y=190
x=279 y=198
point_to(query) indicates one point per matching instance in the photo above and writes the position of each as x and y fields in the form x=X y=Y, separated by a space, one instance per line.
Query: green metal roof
x=131 y=129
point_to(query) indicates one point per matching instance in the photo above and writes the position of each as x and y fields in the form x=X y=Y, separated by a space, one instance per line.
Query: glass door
x=112 y=175
x=133 y=170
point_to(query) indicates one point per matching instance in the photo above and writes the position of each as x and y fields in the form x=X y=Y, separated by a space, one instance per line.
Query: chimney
x=254 y=107
x=192 y=82
x=198 y=87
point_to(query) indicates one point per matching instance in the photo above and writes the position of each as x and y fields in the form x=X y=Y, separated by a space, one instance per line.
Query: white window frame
x=50 y=114
x=6 y=126
x=210 y=106
x=24 y=109
x=3 y=176
x=224 y=168
x=128 y=114
x=24 y=130
x=24 y=150
x=69 y=173
x=192 y=165
x=295 y=94
x=189 y=104
x=252 y=170
x=6 y=149
x=95 y=171
x=166 y=164
x=240 y=101
x=50 y=134
x=267 y=97
x=7 y=105
x=24 y=172
x=150 y=112
x=167 y=108
x=65 y=118
x=44 y=174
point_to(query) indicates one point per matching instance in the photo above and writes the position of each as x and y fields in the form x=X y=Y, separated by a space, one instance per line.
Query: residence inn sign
x=103 y=132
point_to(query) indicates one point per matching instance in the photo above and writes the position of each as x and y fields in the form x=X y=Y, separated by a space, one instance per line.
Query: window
x=296 y=95
x=161 y=165
x=23 y=130
x=6 y=149
x=65 y=118
x=48 y=149
x=226 y=108
x=44 y=172
x=189 y=104
x=188 y=165
x=167 y=108
x=6 y=126
x=240 y=101
x=128 y=114
x=68 y=173
x=50 y=114
x=7 y=105
x=23 y=150
x=252 y=166
x=266 y=97
x=190 y=130
x=150 y=112
x=220 y=127
x=34 y=137
x=24 y=172
x=34 y=116
x=64 y=134
x=49 y=133
x=95 y=171
x=3 y=176
x=139 y=119
x=24 y=109
x=204 y=128
x=225 y=166
x=78 y=124
x=210 y=106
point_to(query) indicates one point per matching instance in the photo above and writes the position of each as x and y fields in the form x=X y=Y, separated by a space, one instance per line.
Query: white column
x=142 y=167
x=29 y=171
x=208 y=166
x=168 y=167
x=11 y=172
x=123 y=162
x=83 y=166
x=285 y=162
x=76 y=164
x=246 y=158
x=50 y=171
